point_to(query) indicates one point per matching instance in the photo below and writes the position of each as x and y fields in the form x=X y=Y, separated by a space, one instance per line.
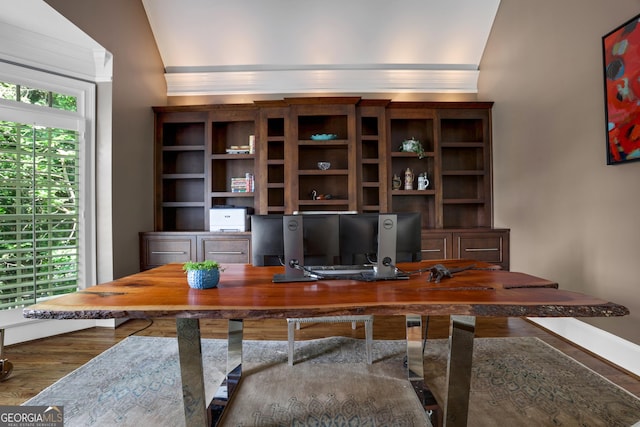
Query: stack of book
x=242 y=185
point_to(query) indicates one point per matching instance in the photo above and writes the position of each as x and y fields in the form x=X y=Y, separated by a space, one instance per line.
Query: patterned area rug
x=516 y=381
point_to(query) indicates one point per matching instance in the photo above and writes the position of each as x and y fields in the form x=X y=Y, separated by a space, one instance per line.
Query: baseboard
x=616 y=350
x=36 y=329
x=110 y=323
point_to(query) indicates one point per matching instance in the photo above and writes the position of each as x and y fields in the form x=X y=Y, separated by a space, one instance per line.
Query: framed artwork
x=621 y=56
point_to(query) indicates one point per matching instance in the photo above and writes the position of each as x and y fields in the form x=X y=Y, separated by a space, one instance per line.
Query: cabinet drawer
x=160 y=251
x=224 y=250
x=488 y=247
x=436 y=246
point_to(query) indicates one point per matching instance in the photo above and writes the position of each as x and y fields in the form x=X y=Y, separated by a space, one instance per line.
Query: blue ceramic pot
x=203 y=279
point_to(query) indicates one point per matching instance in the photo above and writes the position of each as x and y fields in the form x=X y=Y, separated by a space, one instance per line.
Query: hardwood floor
x=38 y=364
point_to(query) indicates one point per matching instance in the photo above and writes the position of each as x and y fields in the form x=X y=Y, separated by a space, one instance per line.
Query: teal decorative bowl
x=203 y=279
x=323 y=136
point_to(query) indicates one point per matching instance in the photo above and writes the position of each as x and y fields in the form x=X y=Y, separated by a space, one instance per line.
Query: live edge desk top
x=247 y=292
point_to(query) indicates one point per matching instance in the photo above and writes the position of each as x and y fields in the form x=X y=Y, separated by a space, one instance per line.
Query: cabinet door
x=436 y=245
x=157 y=249
x=226 y=249
x=490 y=246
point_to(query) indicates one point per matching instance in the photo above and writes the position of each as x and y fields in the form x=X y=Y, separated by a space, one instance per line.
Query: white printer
x=228 y=219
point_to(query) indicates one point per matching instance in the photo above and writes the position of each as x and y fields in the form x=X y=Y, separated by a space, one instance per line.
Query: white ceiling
x=289 y=46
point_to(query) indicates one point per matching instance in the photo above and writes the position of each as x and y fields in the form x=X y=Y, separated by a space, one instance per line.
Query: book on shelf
x=242 y=185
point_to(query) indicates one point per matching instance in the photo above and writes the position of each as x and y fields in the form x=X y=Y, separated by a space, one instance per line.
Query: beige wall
x=121 y=27
x=573 y=219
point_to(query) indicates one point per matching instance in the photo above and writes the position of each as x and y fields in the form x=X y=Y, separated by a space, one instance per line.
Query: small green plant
x=202 y=265
x=413 y=146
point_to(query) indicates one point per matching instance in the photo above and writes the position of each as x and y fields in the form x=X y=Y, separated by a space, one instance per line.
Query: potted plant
x=413 y=146
x=203 y=274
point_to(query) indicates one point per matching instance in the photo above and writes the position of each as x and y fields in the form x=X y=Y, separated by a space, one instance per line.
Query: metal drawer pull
x=482 y=249
x=168 y=252
x=431 y=250
x=225 y=253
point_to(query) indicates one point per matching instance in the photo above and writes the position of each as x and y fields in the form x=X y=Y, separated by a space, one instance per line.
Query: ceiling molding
x=322 y=80
x=41 y=51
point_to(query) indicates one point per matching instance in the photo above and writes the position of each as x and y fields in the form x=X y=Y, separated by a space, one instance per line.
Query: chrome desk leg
x=190 y=351
x=226 y=390
x=415 y=368
x=462 y=331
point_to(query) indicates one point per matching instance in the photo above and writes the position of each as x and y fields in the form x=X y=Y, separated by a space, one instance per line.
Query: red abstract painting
x=621 y=51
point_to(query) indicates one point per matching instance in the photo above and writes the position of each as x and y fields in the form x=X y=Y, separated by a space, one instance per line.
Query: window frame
x=83 y=121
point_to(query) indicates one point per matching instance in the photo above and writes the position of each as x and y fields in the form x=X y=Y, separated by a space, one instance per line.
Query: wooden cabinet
x=226 y=248
x=456 y=139
x=321 y=132
x=436 y=245
x=273 y=119
x=197 y=163
x=414 y=121
x=180 y=171
x=198 y=152
x=490 y=245
x=465 y=167
x=159 y=248
x=202 y=150
x=232 y=157
x=371 y=153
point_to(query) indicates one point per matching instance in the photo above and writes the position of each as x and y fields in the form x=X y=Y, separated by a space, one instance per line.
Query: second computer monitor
x=359 y=238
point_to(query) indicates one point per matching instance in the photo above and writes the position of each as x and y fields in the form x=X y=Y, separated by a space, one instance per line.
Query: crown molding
x=41 y=51
x=369 y=79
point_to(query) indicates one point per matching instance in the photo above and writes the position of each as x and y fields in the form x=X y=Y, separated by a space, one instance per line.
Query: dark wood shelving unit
x=194 y=169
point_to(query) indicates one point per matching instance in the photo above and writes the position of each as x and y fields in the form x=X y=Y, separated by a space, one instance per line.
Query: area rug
x=516 y=381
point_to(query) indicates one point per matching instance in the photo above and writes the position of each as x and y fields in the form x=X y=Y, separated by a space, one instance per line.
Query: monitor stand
x=292 y=230
x=387 y=235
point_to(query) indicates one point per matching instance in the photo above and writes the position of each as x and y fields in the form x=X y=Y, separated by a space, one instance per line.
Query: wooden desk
x=246 y=292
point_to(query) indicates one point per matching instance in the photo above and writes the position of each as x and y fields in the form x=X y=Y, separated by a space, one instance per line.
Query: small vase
x=408 y=179
x=396 y=182
x=203 y=279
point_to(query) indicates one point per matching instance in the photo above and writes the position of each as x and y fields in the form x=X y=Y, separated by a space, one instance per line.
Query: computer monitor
x=409 y=242
x=320 y=239
x=267 y=245
x=359 y=238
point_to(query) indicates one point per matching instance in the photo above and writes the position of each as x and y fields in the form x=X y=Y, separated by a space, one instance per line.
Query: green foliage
x=414 y=147
x=34 y=96
x=39 y=215
x=202 y=265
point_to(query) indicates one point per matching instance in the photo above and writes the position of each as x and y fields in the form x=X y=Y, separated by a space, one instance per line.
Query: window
x=45 y=207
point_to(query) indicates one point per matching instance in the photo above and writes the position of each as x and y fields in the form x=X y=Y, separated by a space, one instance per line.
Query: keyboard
x=340 y=270
x=354 y=272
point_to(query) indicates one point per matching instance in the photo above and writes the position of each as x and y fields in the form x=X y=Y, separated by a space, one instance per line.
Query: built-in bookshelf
x=204 y=152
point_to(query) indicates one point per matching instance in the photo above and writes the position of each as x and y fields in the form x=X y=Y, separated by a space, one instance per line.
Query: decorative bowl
x=323 y=166
x=323 y=136
x=203 y=279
